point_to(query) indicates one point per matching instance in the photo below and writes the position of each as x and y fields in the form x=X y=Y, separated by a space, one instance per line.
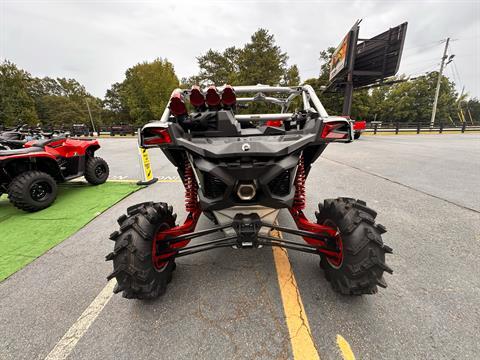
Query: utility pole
x=90 y=114
x=437 y=91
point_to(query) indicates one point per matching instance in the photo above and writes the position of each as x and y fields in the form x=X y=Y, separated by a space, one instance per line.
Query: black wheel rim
x=100 y=171
x=40 y=190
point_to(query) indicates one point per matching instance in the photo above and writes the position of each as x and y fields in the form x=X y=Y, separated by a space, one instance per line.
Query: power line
x=425 y=46
x=458 y=73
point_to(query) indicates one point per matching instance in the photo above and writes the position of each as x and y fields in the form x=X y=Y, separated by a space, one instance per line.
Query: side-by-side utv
x=240 y=164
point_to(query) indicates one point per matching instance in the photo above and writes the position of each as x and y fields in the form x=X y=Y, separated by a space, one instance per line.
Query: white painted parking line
x=68 y=342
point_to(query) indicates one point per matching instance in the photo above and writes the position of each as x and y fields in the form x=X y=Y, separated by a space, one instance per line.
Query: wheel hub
x=99 y=171
x=335 y=261
x=40 y=190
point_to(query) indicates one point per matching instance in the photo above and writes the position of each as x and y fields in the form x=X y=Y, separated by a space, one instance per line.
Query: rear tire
x=132 y=255
x=356 y=135
x=96 y=170
x=361 y=269
x=32 y=191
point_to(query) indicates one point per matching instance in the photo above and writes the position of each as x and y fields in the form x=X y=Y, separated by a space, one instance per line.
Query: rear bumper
x=273 y=181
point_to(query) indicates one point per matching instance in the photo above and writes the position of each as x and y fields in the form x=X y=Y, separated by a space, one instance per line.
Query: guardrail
x=419 y=127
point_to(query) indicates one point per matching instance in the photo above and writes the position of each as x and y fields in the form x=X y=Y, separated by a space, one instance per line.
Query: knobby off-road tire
x=363 y=264
x=132 y=255
x=356 y=135
x=32 y=191
x=96 y=170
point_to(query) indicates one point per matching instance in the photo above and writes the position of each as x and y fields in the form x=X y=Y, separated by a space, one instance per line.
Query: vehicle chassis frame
x=172 y=243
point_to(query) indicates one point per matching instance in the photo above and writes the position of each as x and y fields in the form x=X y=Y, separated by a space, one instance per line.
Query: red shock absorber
x=191 y=189
x=299 y=201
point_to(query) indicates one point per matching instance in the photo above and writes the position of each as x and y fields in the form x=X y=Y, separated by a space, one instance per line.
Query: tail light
x=156 y=136
x=212 y=97
x=335 y=130
x=228 y=96
x=276 y=123
x=177 y=105
x=196 y=97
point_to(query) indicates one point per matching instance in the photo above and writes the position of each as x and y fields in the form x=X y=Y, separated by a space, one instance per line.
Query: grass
x=26 y=236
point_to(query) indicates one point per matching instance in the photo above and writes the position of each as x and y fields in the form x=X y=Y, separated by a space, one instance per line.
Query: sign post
x=146 y=168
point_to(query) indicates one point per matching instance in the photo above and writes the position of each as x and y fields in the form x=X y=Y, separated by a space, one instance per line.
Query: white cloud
x=96 y=41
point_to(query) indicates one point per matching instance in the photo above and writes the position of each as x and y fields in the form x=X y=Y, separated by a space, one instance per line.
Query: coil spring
x=299 y=201
x=191 y=188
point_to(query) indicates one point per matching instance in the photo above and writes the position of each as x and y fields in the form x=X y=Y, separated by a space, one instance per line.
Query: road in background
x=226 y=303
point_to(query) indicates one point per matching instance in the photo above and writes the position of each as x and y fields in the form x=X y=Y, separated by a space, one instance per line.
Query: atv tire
x=363 y=263
x=356 y=135
x=132 y=255
x=96 y=171
x=32 y=191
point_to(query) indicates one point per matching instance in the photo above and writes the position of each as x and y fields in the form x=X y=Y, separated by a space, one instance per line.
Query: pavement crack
x=301 y=315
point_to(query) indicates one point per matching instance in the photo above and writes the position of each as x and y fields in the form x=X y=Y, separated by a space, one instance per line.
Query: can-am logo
x=245 y=147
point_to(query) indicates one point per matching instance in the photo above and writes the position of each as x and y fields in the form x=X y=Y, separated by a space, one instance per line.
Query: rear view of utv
x=243 y=155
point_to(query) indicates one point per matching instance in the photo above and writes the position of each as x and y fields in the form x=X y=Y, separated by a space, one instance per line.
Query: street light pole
x=437 y=91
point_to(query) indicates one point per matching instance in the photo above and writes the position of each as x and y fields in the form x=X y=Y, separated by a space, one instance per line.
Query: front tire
x=32 y=191
x=361 y=268
x=132 y=255
x=96 y=170
x=356 y=135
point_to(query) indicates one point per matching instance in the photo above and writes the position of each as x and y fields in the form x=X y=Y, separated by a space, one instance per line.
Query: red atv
x=30 y=174
x=358 y=127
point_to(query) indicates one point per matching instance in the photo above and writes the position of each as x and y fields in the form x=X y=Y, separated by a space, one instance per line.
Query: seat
x=13 y=144
x=42 y=143
x=28 y=150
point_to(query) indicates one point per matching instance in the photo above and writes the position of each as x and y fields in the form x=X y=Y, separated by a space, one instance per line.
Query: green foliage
x=260 y=61
x=471 y=109
x=16 y=104
x=145 y=91
x=331 y=101
x=404 y=101
x=61 y=102
x=115 y=109
x=218 y=67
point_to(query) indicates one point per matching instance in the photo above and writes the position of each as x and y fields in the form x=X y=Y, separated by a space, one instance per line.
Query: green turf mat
x=26 y=236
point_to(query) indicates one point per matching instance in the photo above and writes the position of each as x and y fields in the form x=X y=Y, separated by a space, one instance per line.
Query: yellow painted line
x=169 y=181
x=123 y=180
x=301 y=338
x=345 y=348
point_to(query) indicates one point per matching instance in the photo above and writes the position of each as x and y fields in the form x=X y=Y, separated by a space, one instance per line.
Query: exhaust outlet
x=246 y=191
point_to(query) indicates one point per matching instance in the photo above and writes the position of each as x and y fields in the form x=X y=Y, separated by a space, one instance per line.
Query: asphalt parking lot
x=228 y=304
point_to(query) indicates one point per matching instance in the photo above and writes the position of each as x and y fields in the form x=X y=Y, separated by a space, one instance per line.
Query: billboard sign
x=339 y=57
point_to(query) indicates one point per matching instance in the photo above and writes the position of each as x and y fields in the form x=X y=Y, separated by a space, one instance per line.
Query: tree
x=218 y=67
x=16 y=104
x=62 y=102
x=115 y=109
x=147 y=88
x=413 y=100
x=260 y=61
x=331 y=101
x=472 y=110
x=291 y=76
